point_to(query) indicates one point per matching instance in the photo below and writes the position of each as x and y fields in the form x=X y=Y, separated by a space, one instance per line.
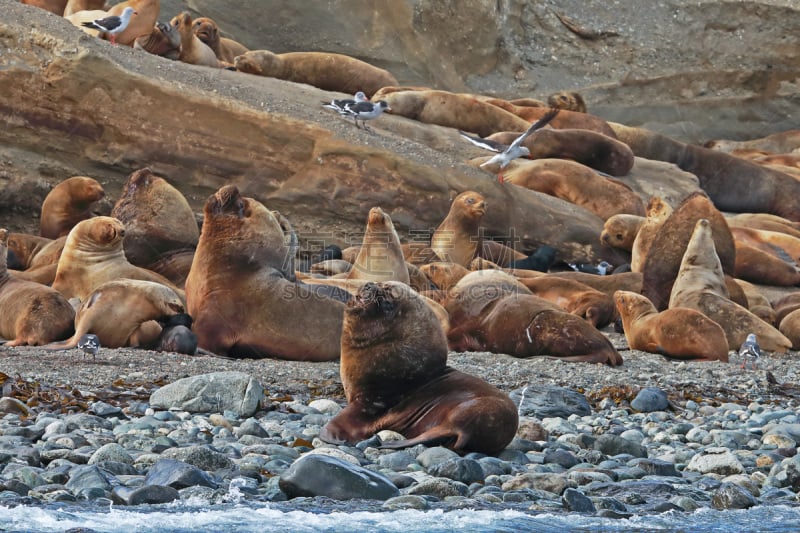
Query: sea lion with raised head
x=68 y=203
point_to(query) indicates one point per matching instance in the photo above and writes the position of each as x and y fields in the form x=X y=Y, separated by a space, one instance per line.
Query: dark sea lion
x=395 y=376
x=68 y=203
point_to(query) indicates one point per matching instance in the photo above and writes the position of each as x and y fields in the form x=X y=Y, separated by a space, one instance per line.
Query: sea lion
x=574 y=297
x=193 y=50
x=327 y=71
x=758 y=266
x=53 y=6
x=463 y=112
x=768 y=191
x=73 y=6
x=757 y=303
x=331 y=267
x=32 y=314
x=528 y=102
x=785 y=305
x=569 y=100
x=658 y=211
x=141 y=24
x=764 y=221
x=164 y=40
x=395 y=376
x=770 y=241
x=625 y=281
x=780 y=143
x=669 y=245
x=25 y=247
x=68 y=203
x=619 y=231
x=444 y=275
x=491 y=311
x=124 y=312
x=380 y=257
x=790 y=327
x=457 y=239
x=41 y=266
x=700 y=285
x=679 y=332
x=577 y=184
x=239 y=291
x=225 y=49
x=160 y=228
x=93 y=254
x=595 y=150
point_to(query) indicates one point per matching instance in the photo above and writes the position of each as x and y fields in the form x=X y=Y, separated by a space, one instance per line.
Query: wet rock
x=548 y=482
x=649 y=400
x=148 y=494
x=202 y=457
x=440 y=488
x=178 y=475
x=215 y=392
x=543 y=401
x=319 y=475
x=717 y=461
x=111 y=452
x=614 y=445
x=458 y=469
x=408 y=501
x=732 y=496
x=88 y=477
x=575 y=501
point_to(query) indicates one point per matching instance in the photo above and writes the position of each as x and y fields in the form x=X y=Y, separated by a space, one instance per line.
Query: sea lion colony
x=234 y=281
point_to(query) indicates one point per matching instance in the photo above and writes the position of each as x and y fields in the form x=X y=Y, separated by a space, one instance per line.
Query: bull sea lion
x=327 y=71
x=93 y=254
x=679 y=332
x=193 y=50
x=380 y=257
x=700 y=285
x=239 y=291
x=32 y=314
x=123 y=313
x=619 y=231
x=68 y=203
x=395 y=376
x=225 y=49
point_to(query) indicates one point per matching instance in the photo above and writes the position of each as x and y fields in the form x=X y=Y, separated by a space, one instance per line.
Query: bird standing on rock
x=89 y=344
x=112 y=25
x=365 y=111
x=750 y=350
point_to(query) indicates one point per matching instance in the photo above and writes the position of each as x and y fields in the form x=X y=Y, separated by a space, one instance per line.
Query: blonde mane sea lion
x=327 y=71
x=193 y=50
x=240 y=291
x=395 y=376
x=68 y=203
x=32 y=314
x=225 y=49
x=93 y=255
x=658 y=211
x=679 y=333
x=700 y=285
x=380 y=257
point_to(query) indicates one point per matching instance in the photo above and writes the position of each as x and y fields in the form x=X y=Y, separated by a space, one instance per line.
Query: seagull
x=602 y=268
x=365 y=111
x=113 y=25
x=90 y=344
x=515 y=149
x=750 y=350
x=341 y=103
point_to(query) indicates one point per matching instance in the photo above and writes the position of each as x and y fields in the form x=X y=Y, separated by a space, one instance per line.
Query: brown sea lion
x=164 y=40
x=331 y=267
x=457 y=239
x=780 y=143
x=759 y=266
x=380 y=257
x=93 y=254
x=592 y=305
x=142 y=23
x=479 y=263
x=528 y=102
x=658 y=211
x=764 y=221
x=757 y=303
x=160 y=228
x=700 y=285
x=770 y=241
x=577 y=184
x=790 y=327
x=491 y=311
x=395 y=376
x=569 y=100
x=193 y=50
x=444 y=275
x=73 y=6
x=619 y=231
x=667 y=250
x=32 y=314
x=53 y=6
x=679 y=333
x=785 y=305
x=767 y=190
x=624 y=281
x=225 y=49
x=123 y=313
x=327 y=71
x=240 y=294
x=68 y=203
x=25 y=247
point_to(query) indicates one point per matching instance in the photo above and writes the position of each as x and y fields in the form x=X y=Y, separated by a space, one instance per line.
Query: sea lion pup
x=463 y=112
x=679 y=332
x=492 y=311
x=700 y=285
x=569 y=100
x=577 y=184
x=124 y=313
x=395 y=376
x=32 y=314
x=575 y=298
x=225 y=49
x=93 y=255
x=164 y=40
x=380 y=257
x=193 y=50
x=664 y=258
x=658 y=211
x=239 y=291
x=68 y=203
x=160 y=229
x=327 y=71
x=780 y=143
x=619 y=231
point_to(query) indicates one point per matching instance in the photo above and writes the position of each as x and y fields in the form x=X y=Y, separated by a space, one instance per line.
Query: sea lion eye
x=470 y=200
x=619 y=236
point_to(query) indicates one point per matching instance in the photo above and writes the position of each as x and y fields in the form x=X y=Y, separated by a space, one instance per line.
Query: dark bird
x=365 y=111
x=112 y=25
x=540 y=260
x=89 y=344
x=340 y=104
x=601 y=269
x=750 y=350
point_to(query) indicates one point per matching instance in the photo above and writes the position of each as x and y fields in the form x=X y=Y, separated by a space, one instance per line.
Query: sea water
x=238 y=518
